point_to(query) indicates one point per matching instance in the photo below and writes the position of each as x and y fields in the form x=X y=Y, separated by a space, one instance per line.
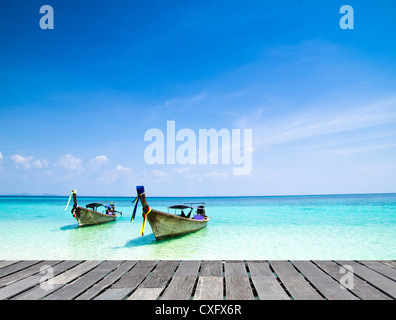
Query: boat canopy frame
x=188 y=205
x=95 y=205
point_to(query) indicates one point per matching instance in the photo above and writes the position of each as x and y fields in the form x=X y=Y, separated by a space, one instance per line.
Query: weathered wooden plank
x=209 y=288
x=297 y=286
x=23 y=285
x=175 y=280
x=267 y=287
x=129 y=282
x=135 y=276
x=361 y=288
x=238 y=288
x=38 y=292
x=17 y=267
x=180 y=288
x=75 y=272
x=146 y=294
x=66 y=277
x=182 y=283
x=19 y=286
x=113 y=294
x=381 y=268
x=161 y=274
x=24 y=273
x=7 y=263
x=119 y=272
x=330 y=288
x=211 y=268
x=235 y=268
x=389 y=263
x=188 y=268
x=107 y=281
x=65 y=265
x=237 y=281
x=74 y=289
x=109 y=265
x=376 y=279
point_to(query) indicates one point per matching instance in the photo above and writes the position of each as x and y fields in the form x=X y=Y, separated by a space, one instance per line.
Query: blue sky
x=76 y=101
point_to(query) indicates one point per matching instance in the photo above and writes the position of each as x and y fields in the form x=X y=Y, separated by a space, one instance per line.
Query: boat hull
x=165 y=225
x=86 y=217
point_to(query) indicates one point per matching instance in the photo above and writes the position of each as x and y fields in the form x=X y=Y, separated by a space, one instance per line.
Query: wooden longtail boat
x=90 y=215
x=167 y=225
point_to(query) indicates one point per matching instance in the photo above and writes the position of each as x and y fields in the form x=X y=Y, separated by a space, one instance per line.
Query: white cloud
x=120 y=168
x=320 y=121
x=182 y=170
x=28 y=162
x=21 y=161
x=37 y=164
x=118 y=173
x=215 y=175
x=99 y=160
x=1 y=156
x=353 y=150
x=159 y=174
x=69 y=162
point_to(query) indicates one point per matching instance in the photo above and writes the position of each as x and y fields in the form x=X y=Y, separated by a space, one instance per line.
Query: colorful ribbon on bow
x=140 y=191
x=134 y=209
x=144 y=221
x=73 y=191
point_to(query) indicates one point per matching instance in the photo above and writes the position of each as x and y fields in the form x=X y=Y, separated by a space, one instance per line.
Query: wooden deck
x=196 y=280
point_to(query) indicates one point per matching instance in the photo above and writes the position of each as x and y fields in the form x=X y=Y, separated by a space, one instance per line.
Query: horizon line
x=234 y=196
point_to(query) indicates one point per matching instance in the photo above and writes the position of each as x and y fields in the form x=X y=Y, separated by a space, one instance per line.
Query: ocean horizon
x=313 y=227
x=207 y=196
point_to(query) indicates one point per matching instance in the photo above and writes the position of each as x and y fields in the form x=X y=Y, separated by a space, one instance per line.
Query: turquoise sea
x=273 y=227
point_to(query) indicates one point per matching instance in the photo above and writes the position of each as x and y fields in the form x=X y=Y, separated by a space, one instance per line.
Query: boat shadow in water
x=151 y=241
x=69 y=227
x=141 y=241
x=99 y=226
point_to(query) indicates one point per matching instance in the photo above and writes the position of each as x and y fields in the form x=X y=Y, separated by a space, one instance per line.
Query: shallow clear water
x=289 y=227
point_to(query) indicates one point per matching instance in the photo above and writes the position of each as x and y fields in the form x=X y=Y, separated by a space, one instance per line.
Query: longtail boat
x=168 y=225
x=90 y=215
